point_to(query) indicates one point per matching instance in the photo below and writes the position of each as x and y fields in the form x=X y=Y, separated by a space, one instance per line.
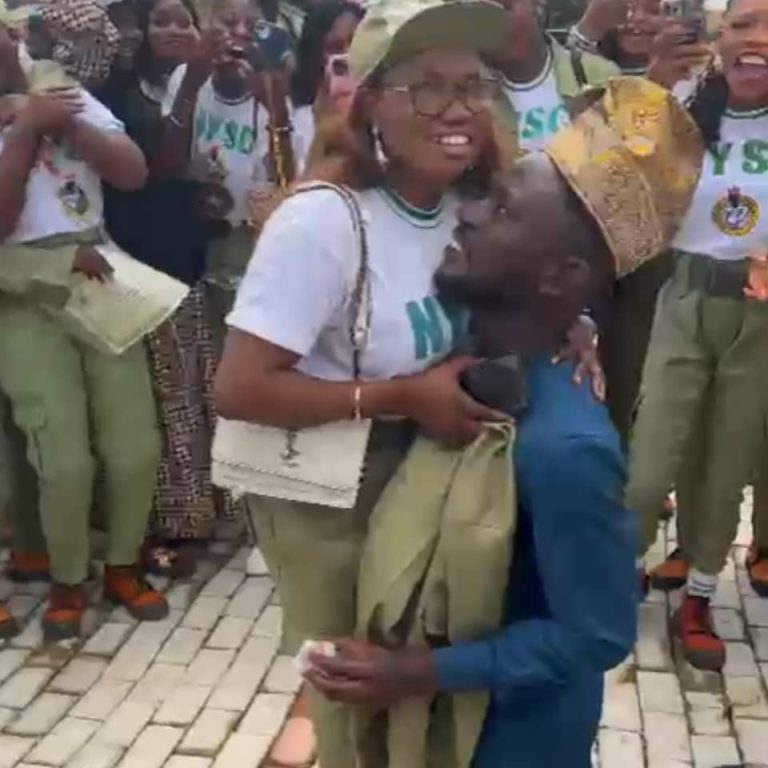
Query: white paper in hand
x=114 y=315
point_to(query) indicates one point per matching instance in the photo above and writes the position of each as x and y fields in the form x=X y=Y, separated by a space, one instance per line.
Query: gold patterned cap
x=395 y=30
x=634 y=158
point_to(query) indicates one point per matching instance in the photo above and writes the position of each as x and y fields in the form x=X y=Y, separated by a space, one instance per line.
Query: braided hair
x=709 y=101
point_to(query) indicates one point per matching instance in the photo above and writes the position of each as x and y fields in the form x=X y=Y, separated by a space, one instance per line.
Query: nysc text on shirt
x=296 y=290
x=727 y=219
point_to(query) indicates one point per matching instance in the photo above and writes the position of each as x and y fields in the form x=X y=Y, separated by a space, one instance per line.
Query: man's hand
x=52 y=111
x=361 y=673
x=89 y=262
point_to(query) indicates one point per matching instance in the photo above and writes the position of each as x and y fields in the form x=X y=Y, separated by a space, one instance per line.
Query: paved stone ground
x=207 y=688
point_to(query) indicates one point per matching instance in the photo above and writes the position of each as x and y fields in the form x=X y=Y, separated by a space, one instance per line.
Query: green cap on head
x=395 y=30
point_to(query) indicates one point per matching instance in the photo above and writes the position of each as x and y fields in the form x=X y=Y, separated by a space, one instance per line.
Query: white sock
x=701 y=584
x=640 y=564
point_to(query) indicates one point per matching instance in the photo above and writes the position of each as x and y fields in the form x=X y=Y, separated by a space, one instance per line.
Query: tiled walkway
x=207 y=688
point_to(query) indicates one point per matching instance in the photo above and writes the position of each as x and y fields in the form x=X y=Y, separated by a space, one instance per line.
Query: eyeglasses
x=432 y=98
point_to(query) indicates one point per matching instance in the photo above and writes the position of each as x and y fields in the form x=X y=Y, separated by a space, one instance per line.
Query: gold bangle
x=358 y=398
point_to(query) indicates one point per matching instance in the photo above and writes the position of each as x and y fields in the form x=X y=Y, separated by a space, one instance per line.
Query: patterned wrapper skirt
x=183 y=360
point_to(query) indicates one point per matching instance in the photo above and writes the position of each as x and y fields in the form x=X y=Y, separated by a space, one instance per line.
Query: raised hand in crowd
x=603 y=16
x=214 y=46
x=674 y=56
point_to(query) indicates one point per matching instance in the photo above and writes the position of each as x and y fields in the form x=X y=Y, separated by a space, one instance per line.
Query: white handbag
x=319 y=465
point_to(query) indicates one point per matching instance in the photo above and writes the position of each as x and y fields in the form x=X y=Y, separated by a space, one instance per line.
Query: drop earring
x=378 y=146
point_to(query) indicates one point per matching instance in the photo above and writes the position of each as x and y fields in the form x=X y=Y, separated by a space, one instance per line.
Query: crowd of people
x=365 y=201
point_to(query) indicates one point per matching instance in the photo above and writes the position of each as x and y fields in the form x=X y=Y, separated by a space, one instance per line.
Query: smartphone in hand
x=690 y=14
x=340 y=83
x=275 y=46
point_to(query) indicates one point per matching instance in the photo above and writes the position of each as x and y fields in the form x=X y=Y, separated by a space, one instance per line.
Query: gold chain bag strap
x=319 y=465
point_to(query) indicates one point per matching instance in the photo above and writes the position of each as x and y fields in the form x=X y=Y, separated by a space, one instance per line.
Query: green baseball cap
x=395 y=30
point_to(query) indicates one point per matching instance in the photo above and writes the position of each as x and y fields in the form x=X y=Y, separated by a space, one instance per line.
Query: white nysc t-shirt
x=295 y=293
x=63 y=193
x=727 y=219
x=540 y=109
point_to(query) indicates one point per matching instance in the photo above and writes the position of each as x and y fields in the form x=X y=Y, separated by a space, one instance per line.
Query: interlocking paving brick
x=230 y=633
x=270 y=623
x=42 y=714
x=102 y=699
x=95 y=756
x=746 y=697
x=7 y=715
x=18 y=691
x=12 y=749
x=283 y=676
x=251 y=598
x=241 y=681
x=209 y=732
x=653 y=649
x=714 y=751
x=666 y=738
x=756 y=609
x=182 y=646
x=204 y=612
x=133 y=659
x=67 y=738
x=10 y=660
x=124 y=724
x=728 y=624
x=79 y=675
x=187 y=761
x=621 y=707
x=739 y=661
x=621 y=749
x=152 y=748
x=183 y=705
x=242 y=750
x=753 y=740
x=180 y=595
x=659 y=692
x=224 y=584
x=208 y=667
x=266 y=715
x=107 y=639
x=255 y=565
x=157 y=683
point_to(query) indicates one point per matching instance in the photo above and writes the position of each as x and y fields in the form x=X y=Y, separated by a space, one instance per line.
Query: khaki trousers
x=225 y=264
x=79 y=410
x=706 y=365
x=624 y=341
x=314 y=555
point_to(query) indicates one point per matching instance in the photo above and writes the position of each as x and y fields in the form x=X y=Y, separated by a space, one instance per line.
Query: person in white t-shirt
x=539 y=76
x=703 y=390
x=420 y=122
x=74 y=406
x=227 y=116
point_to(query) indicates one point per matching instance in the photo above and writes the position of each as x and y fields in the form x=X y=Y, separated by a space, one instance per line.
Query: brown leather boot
x=8 y=626
x=757 y=569
x=702 y=647
x=124 y=585
x=66 y=606
x=672 y=573
x=24 y=567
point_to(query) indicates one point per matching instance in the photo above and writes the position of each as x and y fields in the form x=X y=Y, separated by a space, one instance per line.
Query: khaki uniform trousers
x=624 y=340
x=225 y=264
x=314 y=554
x=78 y=411
x=706 y=367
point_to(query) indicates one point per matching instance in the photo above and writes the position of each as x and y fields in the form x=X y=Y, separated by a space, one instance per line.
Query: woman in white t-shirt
x=225 y=113
x=419 y=124
x=703 y=391
x=77 y=408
